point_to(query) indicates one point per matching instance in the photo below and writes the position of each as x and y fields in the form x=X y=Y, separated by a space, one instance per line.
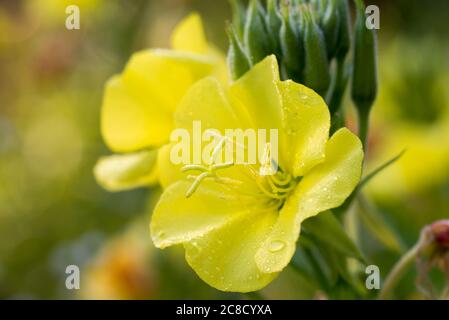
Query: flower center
x=276 y=187
x=273 y=185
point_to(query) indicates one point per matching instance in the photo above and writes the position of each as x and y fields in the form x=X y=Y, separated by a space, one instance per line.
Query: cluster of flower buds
x=307 y=36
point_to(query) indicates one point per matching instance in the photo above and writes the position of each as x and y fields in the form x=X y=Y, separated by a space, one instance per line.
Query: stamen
x=286 y=188
x=196 y=183
x=268 y=193
x=217 y=149
x=222 y=166
x=281 y=182
x=197 y=167
x=207 y=172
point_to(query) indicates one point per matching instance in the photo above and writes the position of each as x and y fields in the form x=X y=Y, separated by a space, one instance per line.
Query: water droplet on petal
x=276 y=245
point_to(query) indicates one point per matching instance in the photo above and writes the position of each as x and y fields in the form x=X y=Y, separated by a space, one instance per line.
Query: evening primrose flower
x=138 y=104
x=239 y=228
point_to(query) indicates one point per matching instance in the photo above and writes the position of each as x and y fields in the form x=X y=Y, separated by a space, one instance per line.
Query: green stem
x=364 y=117
x=339 y=87
x=398 y=270
x=335 y=103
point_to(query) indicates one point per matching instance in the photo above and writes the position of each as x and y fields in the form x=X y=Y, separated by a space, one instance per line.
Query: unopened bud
x=274 y=25
x=344 y=29
x=238 y=61
x=255 y=34
x=238 y=16
x=364 y=80
x=292 y=51
x=440 y=231
x=316 y=70
x=330 y=23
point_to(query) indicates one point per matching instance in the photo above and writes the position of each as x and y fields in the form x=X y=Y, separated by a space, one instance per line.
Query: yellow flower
x=138 y=104
x=240 y=228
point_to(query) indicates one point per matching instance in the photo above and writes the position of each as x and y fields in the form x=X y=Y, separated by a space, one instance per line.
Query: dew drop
x=276 y=245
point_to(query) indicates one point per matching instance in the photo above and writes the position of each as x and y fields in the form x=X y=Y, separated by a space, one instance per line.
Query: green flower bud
x=238 y=16
x=330 y=24
x=318 y=6
x=364 y=77
x=295 y=16
x=255 y=34
x=291 y=47
x=274 y=22
x=316 y=71
x=344 y=29
x=238 y=61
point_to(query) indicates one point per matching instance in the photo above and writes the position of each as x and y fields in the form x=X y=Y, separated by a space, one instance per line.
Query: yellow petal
x=306 y=125
x=122 y=172
x=258 y=93
x=204 y=107
x=221 y=68
x=189 y=35
x=138 y=105
x=224 y=258
x=177 y=219
x=237 y=176
x=206 y=101
x=168 y=171
x=329 y=184
x=128 y=124
x=165 y=74
x=325 y=187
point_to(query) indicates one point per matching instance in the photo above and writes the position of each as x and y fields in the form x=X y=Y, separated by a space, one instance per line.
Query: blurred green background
x=52 y=212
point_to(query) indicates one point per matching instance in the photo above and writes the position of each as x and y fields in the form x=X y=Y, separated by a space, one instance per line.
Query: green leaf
x=302 y=266
x=373 y=220
x=326 y=227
